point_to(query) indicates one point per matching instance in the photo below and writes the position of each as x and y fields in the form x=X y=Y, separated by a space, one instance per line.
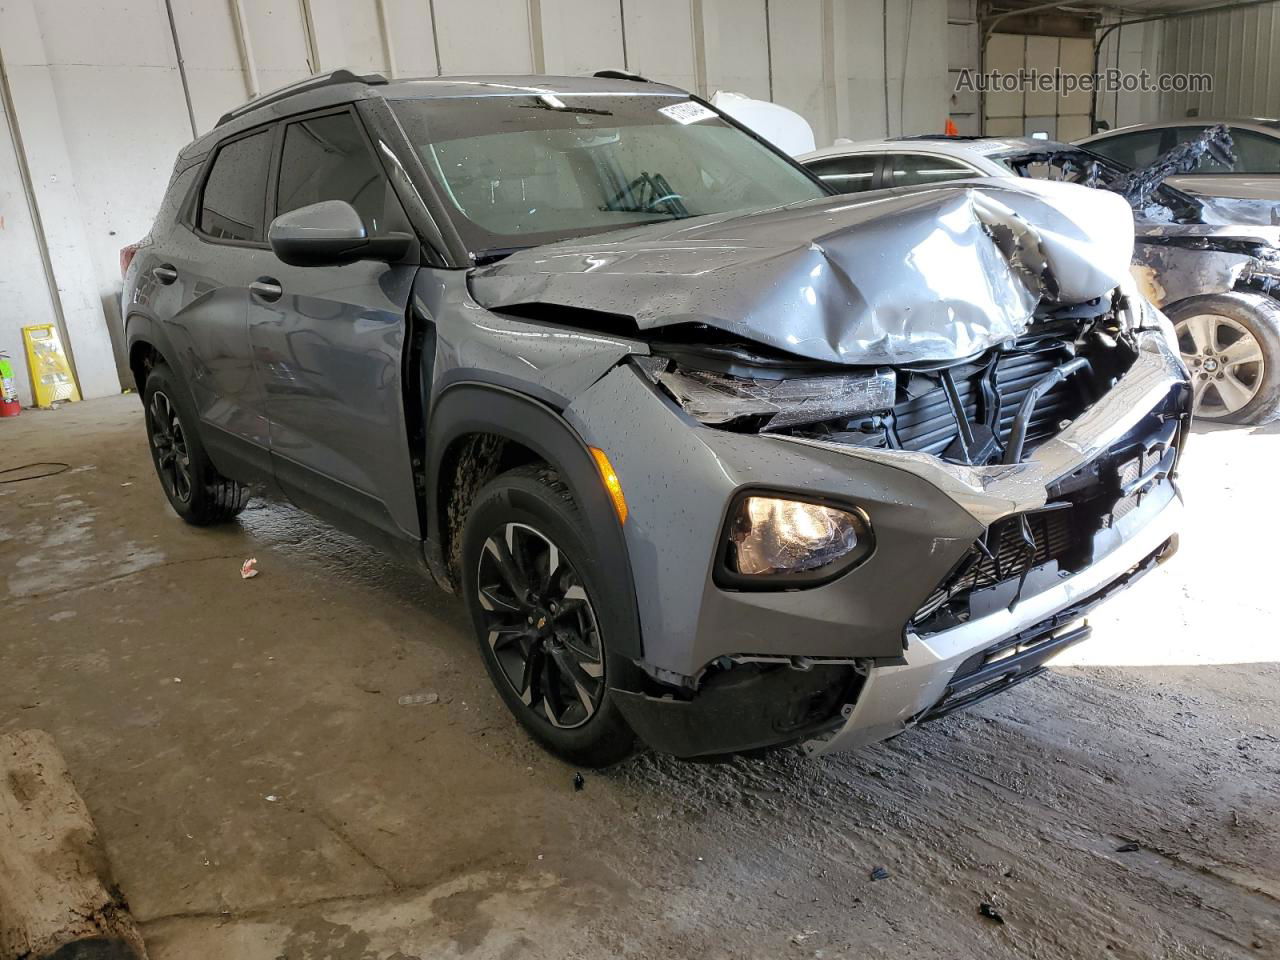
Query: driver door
x=328 y=341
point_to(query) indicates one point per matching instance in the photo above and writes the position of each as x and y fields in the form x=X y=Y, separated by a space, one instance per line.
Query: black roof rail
x=333 y=78
x=620 y=75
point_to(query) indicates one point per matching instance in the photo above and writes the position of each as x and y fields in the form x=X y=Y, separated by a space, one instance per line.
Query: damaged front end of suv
x=879 y=457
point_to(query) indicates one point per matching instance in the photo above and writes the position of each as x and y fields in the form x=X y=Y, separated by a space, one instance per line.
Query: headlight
x=776 y=542
x=718 y=398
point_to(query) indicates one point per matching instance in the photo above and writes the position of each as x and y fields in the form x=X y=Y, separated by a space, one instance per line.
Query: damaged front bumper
x=737 y=669
x=895 y=696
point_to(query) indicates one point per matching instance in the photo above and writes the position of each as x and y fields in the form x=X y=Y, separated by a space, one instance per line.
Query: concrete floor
x=263 y=795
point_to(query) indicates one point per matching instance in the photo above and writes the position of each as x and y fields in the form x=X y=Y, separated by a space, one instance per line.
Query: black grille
x=926 y=423
x=1055 y=536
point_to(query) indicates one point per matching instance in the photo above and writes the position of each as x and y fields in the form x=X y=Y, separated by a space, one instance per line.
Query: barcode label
x=687 y=112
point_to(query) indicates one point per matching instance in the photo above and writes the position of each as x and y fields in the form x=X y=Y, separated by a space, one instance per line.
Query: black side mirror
x=331 y=233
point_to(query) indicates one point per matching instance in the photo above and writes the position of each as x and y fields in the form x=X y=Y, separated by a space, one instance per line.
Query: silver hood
x=935 y=275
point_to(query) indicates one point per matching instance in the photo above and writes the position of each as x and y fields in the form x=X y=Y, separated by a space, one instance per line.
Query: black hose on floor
x=57 y=469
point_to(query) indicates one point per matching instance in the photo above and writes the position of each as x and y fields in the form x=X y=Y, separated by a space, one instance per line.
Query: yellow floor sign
x=51 y=378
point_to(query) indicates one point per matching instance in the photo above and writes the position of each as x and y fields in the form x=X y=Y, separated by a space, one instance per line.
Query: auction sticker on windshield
x=687 y=112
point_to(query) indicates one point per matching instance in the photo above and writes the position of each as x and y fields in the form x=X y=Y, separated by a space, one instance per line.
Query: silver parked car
x=1253 y=174
x=1213 y=266
x=717 y=460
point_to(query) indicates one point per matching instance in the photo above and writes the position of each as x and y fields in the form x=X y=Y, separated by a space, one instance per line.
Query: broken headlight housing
x=779 y=397
x=1144 y=315
x=776 y=542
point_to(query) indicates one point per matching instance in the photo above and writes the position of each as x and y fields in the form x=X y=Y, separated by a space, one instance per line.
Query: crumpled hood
x=939 y=274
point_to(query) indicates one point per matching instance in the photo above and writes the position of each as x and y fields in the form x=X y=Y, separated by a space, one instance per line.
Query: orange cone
x=950 y=129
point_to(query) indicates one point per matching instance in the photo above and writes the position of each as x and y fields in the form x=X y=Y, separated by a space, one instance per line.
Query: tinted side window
x=1132 y=149
x=908 y=170
x=326 y=158
x=235 y=193
x=1255 y=152
x=847 y=174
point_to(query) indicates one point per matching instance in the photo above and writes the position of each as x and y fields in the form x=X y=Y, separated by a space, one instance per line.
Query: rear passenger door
x=852 y=173
x=328 y=341
x=205 y=274
x=917 y=169
x=1133 y=150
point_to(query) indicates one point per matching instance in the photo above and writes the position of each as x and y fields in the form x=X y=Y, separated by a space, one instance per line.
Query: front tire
x=1231 y=344
x=195 y=489
x=529 y=579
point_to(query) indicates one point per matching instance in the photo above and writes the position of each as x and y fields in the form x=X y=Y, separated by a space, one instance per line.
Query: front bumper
x=679 y=478
x=894 y=696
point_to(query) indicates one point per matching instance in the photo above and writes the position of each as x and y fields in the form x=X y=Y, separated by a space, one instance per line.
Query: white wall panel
x=917 y=67
x=279 y=43
x=737 y=47
x=492 y=37
x=1131 y=49
x=660 y=40
x=24 y=294
x=209 y=51
x=98 y=88
x=363 y=47
x=796 y=41
x=409 y=22
x=962 y=54
x=864 y=110
x=580 y=37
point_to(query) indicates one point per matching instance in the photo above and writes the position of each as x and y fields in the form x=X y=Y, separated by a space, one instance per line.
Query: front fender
x=469 y=408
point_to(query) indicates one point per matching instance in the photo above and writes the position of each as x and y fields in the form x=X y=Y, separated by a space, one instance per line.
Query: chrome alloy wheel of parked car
x=1226 y=363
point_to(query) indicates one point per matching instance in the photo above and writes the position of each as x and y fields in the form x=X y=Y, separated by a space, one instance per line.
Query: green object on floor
x=9 y=406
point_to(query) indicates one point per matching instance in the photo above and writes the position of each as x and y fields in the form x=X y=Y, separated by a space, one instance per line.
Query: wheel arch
x=477 y=431
x=147 y=344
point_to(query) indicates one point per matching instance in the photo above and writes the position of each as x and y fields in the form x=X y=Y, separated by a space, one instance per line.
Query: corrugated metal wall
x=1237 y=48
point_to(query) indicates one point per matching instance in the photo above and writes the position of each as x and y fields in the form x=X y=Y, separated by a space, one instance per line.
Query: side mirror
x=331 y=233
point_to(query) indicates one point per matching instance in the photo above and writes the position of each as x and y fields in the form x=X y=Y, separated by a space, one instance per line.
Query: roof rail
x=333 y=78
x=620 y=75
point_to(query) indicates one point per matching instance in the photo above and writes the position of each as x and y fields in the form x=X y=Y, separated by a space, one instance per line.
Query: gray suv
x=717 y=460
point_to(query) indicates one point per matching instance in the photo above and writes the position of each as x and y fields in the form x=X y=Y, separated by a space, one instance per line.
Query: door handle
x=266 y=288
x=165 y=273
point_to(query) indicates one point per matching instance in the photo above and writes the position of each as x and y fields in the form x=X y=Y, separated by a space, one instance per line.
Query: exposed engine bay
x=990 y=408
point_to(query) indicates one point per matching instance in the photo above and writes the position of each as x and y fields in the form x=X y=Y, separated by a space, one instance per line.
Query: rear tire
x=1231 y=344
x=530 y=582
x=195 y=489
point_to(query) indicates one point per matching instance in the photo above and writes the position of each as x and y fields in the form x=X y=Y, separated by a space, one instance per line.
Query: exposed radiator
x=926 y=423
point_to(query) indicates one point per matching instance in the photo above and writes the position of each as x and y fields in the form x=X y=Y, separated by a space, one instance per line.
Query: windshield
x=523 y=170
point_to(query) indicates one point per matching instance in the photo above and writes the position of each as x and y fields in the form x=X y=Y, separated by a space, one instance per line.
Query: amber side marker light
x=611 y=482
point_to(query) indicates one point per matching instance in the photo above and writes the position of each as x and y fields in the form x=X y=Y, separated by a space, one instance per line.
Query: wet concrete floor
x=262 y=794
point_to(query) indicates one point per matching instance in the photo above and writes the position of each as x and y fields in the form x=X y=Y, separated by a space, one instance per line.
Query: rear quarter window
x=235 y=193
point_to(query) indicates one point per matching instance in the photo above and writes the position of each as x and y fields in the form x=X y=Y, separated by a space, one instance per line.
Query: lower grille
x=1054 y=533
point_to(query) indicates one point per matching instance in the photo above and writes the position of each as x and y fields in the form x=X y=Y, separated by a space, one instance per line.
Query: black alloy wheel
x=539 y=625
x=173 y=459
